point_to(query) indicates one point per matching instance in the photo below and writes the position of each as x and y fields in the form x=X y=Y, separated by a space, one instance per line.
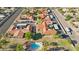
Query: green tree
x=19 y=47
x=28 y=35
x=37 y=36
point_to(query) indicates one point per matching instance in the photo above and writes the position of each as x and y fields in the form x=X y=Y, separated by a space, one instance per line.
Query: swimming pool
x=36 y=45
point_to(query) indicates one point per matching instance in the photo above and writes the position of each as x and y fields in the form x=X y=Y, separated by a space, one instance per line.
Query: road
x=8 y=23
x=61 y=19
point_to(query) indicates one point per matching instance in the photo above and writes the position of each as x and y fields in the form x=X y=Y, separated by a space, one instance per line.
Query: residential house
x=43 y=28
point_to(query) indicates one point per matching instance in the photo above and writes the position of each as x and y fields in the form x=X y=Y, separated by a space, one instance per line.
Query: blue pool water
x=35 y=46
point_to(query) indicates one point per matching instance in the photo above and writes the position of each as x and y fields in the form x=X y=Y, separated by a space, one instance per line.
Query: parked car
x=52 y=17
x=68 y=30
x=49 y=11
x=56 y=26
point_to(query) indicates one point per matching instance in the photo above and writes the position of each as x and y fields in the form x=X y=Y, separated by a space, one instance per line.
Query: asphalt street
x=10 y=20
x=61 y=19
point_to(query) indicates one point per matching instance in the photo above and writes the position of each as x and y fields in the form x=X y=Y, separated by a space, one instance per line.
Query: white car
x=68 y=30
x=51 y=16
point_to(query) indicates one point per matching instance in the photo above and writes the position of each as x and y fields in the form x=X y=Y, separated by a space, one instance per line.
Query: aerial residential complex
x=39 y=29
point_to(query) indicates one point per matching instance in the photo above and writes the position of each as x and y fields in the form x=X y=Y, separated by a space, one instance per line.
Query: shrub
x=68 y=17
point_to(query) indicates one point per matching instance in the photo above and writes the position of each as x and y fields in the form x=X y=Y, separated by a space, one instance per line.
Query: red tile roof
x=49 y=32
x=17 y=33
x=39 y=26
x=29 y=28
x=43 y=27
x=30 y=17
x=20 y=34
x=42 y=16
x=48 y=20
